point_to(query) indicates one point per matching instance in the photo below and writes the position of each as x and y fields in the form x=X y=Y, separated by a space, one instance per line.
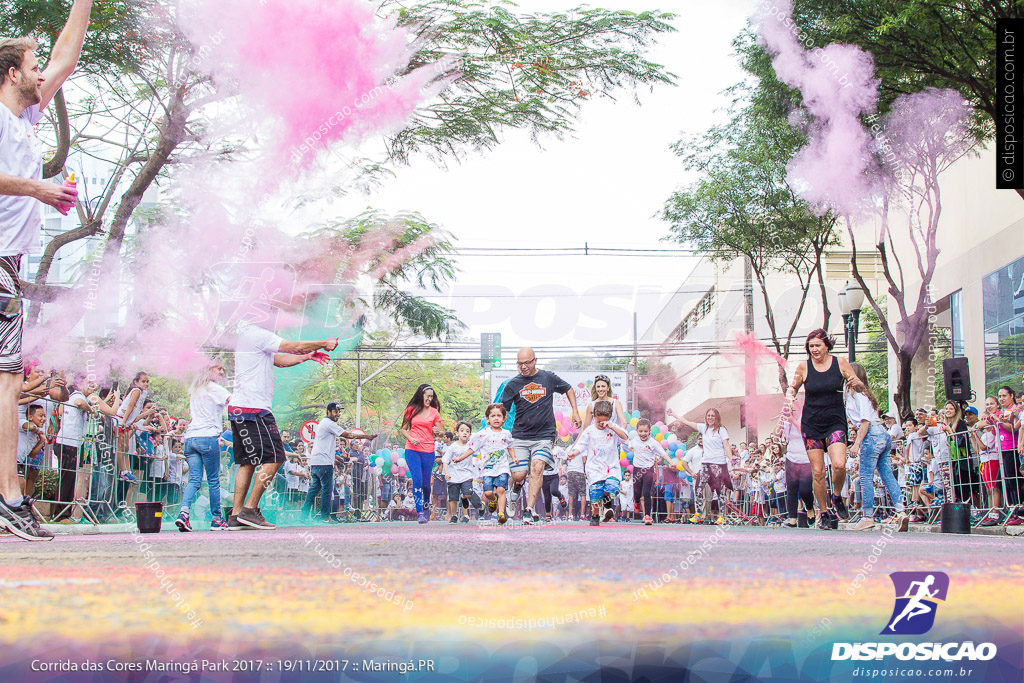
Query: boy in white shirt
x=494 y=445
x=459 y=468
x=600 y=443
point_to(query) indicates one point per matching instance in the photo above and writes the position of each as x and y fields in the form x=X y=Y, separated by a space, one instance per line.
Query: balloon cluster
x=660 y=433
x=390 y=462
x=566 y=429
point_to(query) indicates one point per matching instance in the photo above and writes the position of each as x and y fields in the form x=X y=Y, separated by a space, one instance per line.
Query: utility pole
x=750 y=366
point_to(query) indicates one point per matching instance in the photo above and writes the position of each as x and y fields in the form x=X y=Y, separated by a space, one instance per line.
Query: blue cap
x=972 y=409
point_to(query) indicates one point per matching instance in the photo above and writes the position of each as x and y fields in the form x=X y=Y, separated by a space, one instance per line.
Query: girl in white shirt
x=714 y=469
x=873 y=445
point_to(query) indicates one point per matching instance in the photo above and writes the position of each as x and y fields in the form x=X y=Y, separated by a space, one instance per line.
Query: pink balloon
x=623 y=462
x=394 y=457
x=629 y=467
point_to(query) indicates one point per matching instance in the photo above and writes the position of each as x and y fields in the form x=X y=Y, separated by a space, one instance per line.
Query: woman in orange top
x=422 y=413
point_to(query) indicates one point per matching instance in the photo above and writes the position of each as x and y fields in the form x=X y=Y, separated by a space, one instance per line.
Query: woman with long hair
x=422 y=413
x=873 y=445
x=601 y=390
x=206 y=402
x=714 y=467
x=1007 y=419
x=129 y=412
x=823 y=421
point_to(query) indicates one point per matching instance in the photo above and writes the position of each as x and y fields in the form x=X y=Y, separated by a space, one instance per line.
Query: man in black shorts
x=25 y=91
x=257 y=441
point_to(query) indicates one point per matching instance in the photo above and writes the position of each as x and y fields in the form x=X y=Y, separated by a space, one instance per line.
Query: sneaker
x=502 y=518
x=453 y=520
x=696 y=519
x=513 y=495
x=31 y=503
x=648 y=521
x=218 y=525
x=902 y=521
x=864 y=524
x=422 y=518
x=182 y=521
x=991 y=519
x=825 y=520
x=530 y=512
x=269 y=525
x=840 y=507
x=720 y=520
x=21 y=521
x=465 y=519
x=252 y=518
x=235 y=525
x=129 y=477
x=594 y=521
x=609 y=514
x=1015 y=519
x=492 y=505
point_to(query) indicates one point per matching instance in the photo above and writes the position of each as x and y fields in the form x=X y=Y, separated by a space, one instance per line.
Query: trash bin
x=148 y=517
x=955 y=518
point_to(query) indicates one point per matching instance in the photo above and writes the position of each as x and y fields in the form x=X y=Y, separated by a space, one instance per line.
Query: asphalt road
x=385 y=588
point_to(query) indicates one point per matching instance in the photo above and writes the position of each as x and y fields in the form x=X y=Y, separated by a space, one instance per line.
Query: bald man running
x=532 y=392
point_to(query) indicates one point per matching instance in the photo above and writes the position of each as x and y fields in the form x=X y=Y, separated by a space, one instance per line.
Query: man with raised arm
x=24 y=93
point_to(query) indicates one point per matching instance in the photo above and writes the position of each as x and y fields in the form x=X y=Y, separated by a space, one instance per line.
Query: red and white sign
x=308 y=431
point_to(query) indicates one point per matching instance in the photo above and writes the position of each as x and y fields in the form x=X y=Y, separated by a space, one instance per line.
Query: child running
x=459 y=470
x=600 y=443
x=494 y=446
x=646 y=452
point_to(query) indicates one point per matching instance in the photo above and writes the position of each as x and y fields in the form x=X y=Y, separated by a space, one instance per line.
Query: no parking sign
x=308 y=431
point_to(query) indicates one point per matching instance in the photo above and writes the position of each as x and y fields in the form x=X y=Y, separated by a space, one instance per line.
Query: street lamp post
x=851 y=299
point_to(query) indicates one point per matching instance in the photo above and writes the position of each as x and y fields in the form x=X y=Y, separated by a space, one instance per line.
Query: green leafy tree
x=743 y=205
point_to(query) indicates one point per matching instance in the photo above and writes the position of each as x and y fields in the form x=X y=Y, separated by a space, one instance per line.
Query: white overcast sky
x=603 y=186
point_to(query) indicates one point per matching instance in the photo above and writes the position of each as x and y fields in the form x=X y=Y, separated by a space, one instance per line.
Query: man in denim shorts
x=532 y=392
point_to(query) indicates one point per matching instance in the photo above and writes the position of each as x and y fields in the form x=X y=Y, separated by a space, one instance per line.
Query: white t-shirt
x=859 y=408
x=780 y=482
x=991 y=442
x=601 y=446
x=646 y=453
x=21 y=155
x=714 y=444
x=157 y=466
x=206 y=407
x=175 y=466
x=915 y=447
x=492 y=447
x=626 y=495
x=694 y=457
x=796 y=451
x=464 y=470
x=72 y=425
x=940 y=444
x=254 y=368
x=291 y=474
x=574 y=465
x=896 y=432
x=325 y=442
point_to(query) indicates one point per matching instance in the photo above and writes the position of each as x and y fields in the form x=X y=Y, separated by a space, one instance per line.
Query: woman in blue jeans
x=873 y=444
x=421 y=415
x=207 y=401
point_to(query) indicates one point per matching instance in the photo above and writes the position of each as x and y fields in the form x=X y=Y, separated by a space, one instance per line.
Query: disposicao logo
x=917 y=596
x=917 y=599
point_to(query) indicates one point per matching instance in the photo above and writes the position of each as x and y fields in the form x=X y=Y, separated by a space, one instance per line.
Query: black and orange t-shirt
x=534 y=399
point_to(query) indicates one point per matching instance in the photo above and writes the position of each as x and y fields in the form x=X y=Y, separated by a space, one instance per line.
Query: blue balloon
x=636 y=414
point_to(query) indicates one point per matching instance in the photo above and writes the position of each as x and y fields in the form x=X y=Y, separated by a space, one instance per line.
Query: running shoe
x=720 y=520
x=513 y=494
x=182 y=521
x=465 y=519
x=21 y=521
x=218 y=525
x=252 y=518
x=502 y=517
x=840 y=506
x=129 y=477
x=991 y=519
x=648 y=521
x=609 y=514
x=453 y=520
x=422 y=518
x=902 y=521
x=594 y=521
x=492 y=505
x=1015 y=519
x=825 y=521
x=697 y=519
x=532 y=514
x=864 y=524
x=31 y=503
x=786 y=524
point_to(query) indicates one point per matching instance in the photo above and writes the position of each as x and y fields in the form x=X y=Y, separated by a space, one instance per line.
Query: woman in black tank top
x=823 y=421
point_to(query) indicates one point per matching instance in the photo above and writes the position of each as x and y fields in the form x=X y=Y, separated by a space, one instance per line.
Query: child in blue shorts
x=600 y=442
x=494 y=446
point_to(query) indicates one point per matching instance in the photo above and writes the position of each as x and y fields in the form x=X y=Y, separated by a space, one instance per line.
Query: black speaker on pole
x=958 y=379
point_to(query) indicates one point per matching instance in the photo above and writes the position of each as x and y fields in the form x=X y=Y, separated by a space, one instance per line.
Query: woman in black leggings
x=823 y=420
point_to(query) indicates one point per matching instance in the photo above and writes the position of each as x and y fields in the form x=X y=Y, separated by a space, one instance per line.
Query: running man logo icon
x=917 y=596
